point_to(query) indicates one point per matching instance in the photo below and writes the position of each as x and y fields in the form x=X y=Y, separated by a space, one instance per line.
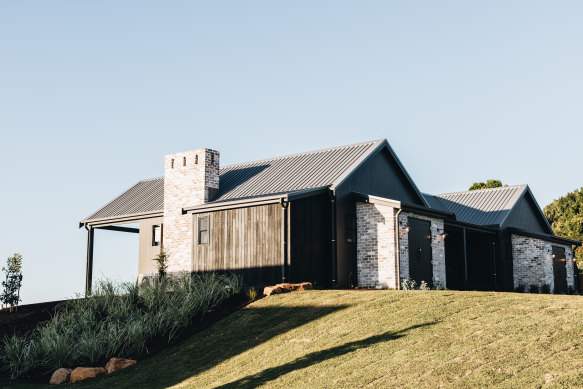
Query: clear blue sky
x=94 y=94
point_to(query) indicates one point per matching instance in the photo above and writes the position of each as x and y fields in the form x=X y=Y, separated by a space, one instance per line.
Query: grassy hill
x=379 y=339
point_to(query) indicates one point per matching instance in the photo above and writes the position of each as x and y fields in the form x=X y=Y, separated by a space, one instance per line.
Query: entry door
x=420 y=266
x=560 y=269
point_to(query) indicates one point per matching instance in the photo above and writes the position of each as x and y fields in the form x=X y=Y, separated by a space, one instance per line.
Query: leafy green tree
x=566 y=218
x=11 y=295
x=486 y=185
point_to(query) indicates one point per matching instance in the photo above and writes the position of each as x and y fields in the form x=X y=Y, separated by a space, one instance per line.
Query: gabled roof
x=281 y=175
x=485 y=207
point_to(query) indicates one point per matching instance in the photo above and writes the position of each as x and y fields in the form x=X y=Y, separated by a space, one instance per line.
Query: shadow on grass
x=273 y=373
x=226 y=339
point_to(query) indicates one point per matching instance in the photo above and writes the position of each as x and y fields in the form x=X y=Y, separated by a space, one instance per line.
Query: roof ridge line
x=480 y=190
x=304 y=153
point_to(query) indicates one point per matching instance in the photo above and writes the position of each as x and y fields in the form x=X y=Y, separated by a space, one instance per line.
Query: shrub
x=251 y=293
x=533 y=288
x=117 y=320
x=520 y=288
x=162 y=262
x=545 y=288
x=11 y=295
x=408 y=284
x=424 y=286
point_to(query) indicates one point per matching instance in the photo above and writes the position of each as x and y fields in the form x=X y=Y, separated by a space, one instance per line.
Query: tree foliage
x=493 y=183
x=11 y=294
x=566 y=218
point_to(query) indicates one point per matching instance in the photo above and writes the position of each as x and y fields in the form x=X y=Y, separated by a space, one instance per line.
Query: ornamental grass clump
x=117 y=320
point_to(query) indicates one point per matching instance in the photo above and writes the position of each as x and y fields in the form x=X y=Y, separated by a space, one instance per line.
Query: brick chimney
x=190 y=178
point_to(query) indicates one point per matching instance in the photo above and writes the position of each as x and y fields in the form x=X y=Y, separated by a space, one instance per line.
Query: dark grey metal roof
x=483 y=207
x=314 y=169
x=290 y=173
x=147 y=196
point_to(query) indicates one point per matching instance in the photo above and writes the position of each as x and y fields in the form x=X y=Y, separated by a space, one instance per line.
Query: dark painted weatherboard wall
x=247 y=241
x=526 y=216
x=379 y=176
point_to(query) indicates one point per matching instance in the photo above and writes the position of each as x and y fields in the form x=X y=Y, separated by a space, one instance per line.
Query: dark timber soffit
x=273 y=176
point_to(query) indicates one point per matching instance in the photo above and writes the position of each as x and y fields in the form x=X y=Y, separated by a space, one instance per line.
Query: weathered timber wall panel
x=247 y=241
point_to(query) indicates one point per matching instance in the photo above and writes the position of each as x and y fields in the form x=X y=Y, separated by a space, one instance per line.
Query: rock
x=115 y=364
x=269 y=290
x=283 y=288
x=84 y=373
x=304 y=286
x=60 y=376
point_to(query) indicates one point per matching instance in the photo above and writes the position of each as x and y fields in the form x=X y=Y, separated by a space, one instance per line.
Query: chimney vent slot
x=212 y=158
x=172 y=164
x=183 y=161
x=196 y=159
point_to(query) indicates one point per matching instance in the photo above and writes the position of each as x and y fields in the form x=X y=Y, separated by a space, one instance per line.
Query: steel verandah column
x=89 y=264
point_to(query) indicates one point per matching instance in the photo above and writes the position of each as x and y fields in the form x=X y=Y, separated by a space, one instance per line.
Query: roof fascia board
x=233 y=205
x=250 y=202
x=110 y=221
x=428 y=211
x=552 y=238
x=470 y=226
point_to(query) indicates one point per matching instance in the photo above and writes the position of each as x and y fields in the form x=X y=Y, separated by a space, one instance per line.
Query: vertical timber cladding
x=309 y=243
x=247 y=241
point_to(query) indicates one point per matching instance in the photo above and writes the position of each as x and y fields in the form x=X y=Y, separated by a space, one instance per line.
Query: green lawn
x=381 y=339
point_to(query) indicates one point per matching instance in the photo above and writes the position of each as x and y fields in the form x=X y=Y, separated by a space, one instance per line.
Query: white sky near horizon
x=94 y=94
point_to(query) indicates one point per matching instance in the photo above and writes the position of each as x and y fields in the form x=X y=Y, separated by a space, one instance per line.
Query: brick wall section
x=437 y=247
x=533 y=262
x=376 y=246
x=185 y=186
x=375 y=227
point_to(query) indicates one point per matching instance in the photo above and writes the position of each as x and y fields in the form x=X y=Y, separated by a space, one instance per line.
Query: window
x=156 y=235
x=350 y=229
x=203 y=230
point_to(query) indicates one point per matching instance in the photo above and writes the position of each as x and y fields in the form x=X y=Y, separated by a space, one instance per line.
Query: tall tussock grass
x=117 y=320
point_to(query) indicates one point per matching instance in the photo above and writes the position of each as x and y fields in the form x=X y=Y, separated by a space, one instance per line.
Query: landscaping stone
x=115 y=364
x=286 y=287
x=84 y=373
x=60 y=376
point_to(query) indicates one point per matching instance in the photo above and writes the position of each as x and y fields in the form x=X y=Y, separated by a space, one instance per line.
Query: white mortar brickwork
x=190 y=178
x=533 y=262
x=437 y=247
x=376 y=260
x=376 y=246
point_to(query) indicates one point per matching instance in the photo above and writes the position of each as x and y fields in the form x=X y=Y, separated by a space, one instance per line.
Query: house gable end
x=383 y=175
x=527 y=215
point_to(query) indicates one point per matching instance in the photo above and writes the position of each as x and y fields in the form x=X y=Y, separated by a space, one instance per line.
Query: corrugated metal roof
x=285 y=174
x=145 y=196
x=481 y=207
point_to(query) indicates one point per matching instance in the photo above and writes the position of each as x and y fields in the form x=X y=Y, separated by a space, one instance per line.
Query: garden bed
x=86 y=332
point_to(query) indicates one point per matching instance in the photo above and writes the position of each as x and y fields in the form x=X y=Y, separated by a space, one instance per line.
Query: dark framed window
x=156 y=235
x=203 y=230
x=350 y=229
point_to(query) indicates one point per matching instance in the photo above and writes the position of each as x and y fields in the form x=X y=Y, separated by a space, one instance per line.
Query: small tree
x=486 y=185
x=11 y=295
x=162 y=262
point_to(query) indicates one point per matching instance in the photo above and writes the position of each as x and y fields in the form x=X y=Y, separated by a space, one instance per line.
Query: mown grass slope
x=378 y=339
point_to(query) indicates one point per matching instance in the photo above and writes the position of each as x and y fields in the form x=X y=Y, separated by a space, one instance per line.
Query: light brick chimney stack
x=190 y=178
